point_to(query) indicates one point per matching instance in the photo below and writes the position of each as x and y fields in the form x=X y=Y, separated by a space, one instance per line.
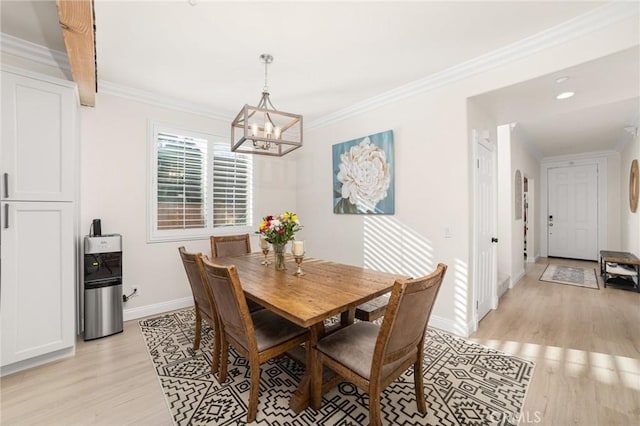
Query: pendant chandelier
x=264 y=130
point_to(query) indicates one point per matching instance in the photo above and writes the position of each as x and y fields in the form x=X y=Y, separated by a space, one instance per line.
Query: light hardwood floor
x=586 y=345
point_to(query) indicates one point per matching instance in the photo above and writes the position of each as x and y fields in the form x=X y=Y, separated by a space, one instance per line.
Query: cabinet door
x=38 y=131
x=37 y=296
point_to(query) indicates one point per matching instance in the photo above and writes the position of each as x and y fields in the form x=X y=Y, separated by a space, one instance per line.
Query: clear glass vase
x=278 y=249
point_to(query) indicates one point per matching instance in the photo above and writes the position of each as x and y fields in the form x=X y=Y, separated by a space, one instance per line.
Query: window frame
x=154 y=234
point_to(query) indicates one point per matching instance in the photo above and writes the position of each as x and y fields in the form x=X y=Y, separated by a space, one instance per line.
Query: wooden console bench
x=620 y=269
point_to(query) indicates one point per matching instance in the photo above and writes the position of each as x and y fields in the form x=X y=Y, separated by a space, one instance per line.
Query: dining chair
x=230 y=245
x=258 y=336
x=233 y=245
x=204 y=305
x=372 y=356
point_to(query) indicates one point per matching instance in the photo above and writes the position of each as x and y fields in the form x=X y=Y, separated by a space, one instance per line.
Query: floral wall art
x=363 y=175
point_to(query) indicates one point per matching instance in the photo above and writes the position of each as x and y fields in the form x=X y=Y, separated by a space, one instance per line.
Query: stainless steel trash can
x=102 y=311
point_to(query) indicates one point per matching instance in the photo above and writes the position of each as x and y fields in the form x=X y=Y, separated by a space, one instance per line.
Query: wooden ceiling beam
x=77 y=22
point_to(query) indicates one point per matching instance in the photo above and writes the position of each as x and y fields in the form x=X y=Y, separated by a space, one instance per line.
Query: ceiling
x=606 y=101
x=331 y=55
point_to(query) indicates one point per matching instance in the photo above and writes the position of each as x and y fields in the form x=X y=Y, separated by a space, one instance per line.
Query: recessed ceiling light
x=565 y=95
x=562 y=79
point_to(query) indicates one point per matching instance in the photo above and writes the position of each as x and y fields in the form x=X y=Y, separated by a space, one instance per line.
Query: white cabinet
x=38 y=273
x=38 y=211
x=38 y=128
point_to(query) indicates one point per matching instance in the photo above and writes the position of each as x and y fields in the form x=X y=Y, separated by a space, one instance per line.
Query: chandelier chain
x=266 y=85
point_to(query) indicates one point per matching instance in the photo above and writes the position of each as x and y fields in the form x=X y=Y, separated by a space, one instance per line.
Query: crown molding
x=591 y=21
x=33 y=52
x=152 y=98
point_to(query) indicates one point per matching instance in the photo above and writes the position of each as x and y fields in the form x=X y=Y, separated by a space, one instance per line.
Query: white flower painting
x=363 y=175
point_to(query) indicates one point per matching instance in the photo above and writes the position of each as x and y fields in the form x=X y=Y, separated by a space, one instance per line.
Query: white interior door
x=486 y=260
x=572 y=217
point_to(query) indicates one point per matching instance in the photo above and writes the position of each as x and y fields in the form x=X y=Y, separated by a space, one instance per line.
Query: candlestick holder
x=298 y=259
x=265 y=251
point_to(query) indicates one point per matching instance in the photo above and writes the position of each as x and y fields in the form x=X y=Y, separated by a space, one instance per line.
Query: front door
x=572 y=218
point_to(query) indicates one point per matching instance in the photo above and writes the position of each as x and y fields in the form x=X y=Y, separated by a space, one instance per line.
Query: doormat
x=571 y=275
x=465 y=384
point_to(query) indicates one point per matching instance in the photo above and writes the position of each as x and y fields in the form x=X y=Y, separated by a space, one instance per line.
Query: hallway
x=585 y=342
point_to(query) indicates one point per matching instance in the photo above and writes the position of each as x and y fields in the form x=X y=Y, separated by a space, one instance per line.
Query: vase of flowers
x=278 y=230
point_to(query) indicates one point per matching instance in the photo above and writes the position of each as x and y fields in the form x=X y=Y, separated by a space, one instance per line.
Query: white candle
x=254 y=129
x=264 y=243
x=268 y=128
x=298 y=248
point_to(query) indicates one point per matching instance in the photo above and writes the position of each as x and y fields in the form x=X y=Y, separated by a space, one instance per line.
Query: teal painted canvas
x=363 y=175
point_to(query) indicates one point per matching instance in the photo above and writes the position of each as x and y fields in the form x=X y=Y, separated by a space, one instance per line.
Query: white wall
x=613 y=201
x=433 y=179
x=505 y=205
x=629 y=222
x=114 y=175
x=529 y=166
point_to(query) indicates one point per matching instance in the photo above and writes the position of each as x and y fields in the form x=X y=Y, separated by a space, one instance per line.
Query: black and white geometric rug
x=571 y=275
x=465 y=384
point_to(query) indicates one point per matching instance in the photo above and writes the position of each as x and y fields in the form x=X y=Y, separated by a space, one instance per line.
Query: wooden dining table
x=325 y=290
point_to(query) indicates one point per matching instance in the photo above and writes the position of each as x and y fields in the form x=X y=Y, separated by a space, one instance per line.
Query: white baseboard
x=517 y=279
x=451 y=326
x=158 y=308
x=36 y=361
x=504 y=282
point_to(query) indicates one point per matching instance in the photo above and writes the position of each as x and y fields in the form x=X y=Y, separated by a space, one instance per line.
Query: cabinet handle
x=6 y=185
x=6 y=216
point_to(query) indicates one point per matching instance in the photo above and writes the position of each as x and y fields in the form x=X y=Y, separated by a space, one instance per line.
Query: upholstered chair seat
x=354 y=346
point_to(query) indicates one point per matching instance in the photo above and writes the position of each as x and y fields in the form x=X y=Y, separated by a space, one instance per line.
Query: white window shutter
x=181 y=173
x=197 y=185
x=232 y=177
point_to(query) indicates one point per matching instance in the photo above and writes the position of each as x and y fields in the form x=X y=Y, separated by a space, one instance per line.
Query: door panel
x=38 y=279
x=486 y=261
x=37 y=162
x=572 y=221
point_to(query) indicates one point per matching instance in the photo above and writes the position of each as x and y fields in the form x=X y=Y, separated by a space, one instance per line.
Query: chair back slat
x=407 y=316
x=230 y=245
x=201 y=295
